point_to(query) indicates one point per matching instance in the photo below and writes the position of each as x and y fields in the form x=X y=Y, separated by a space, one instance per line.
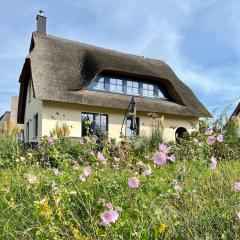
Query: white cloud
x=153 y=28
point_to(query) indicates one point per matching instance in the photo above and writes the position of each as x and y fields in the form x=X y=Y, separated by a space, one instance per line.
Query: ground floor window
x=129 y=132
x=94 y=124
x=27 y=132
x=35 y=125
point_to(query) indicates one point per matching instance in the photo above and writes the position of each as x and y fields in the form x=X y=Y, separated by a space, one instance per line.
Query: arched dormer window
x=128 y=86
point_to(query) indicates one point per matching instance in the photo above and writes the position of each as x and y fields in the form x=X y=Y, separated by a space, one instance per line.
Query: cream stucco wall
x=53 y=112
x=33 y=107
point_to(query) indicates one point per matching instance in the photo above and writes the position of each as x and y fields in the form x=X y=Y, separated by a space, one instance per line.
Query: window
x=99 y=83
x=119 y=84
x=148 y=90
x=27 y=132
x=35 y=125
x=116 y=85
x=29 y=91
x=94 y=124
x=132 y=87
x=160 y=93
x=129 y=132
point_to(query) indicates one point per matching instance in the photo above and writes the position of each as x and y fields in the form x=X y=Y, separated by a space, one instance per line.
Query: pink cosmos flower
x=101 y=158
x=178 y=187
x=87 y=171
x=213 y=164
x=133 y=182
x=163 y=148
x=109 y=206
x=148 y=171
x=108 y=217
x=172 y=158
x=209 y=132
x=211 y=140
x=220 y=138
x=159 y=158
x=50 y=140
x=237 y=186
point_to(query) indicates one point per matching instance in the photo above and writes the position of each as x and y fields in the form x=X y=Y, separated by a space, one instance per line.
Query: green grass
x=206 y=210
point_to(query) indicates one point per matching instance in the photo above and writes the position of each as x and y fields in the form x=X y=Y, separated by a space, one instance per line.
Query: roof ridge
x=35 y=34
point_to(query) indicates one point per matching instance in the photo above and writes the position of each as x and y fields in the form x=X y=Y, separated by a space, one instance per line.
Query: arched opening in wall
x=180 y=133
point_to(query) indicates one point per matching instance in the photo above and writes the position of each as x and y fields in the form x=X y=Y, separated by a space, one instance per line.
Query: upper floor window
x=134 y=86
x=100 y=83
x=148 y=90
x=116 y=85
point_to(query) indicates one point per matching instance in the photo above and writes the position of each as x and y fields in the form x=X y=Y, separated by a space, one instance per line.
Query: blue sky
x=200 y=41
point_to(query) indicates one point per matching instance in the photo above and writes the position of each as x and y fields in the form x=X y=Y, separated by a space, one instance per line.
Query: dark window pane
x=94 y=124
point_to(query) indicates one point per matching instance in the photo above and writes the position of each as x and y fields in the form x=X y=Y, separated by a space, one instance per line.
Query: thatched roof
x=236 y=111
x=60 y=70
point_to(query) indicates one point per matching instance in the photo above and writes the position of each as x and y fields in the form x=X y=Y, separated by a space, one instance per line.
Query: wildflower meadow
x=134 y=189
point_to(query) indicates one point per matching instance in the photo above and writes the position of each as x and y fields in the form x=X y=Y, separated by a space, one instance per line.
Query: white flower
x=31 y=178
x=73 y=193
x=54 y=184
x=82 y=179
x=56 y=172
x=147 y=171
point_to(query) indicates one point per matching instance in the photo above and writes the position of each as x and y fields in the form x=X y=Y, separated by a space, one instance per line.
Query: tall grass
x=36 y=202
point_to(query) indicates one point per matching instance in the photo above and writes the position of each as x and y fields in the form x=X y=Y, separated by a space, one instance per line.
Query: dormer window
x=100 y=83
x=148 y=90
x=132 y=87
x=116 y=85
x=127 y=86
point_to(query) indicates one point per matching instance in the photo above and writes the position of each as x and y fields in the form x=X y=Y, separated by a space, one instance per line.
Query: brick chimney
x=41 y=22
